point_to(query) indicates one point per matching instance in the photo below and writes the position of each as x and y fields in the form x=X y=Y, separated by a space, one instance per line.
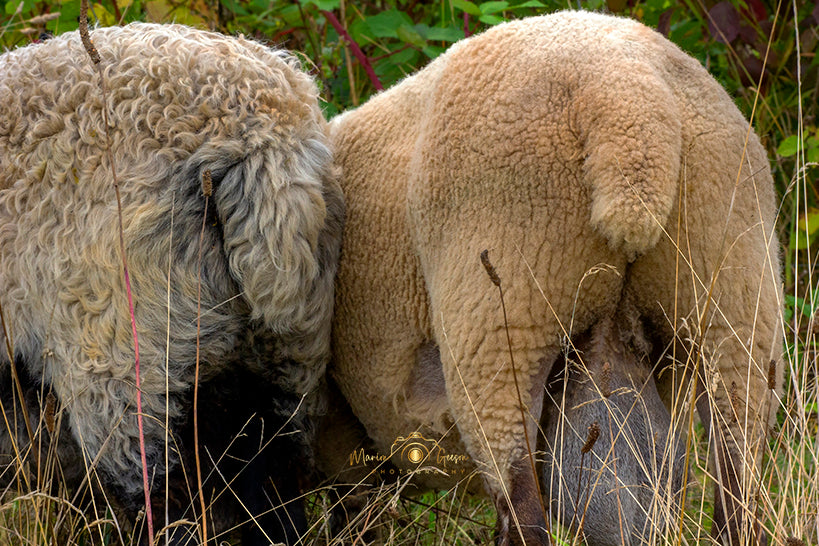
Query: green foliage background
x=399 y=36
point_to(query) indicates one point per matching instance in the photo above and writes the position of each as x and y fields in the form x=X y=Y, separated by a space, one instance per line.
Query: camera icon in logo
x=414 y=449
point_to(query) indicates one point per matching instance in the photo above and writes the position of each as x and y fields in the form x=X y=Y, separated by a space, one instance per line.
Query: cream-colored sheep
x=181 y=102
x=559 y=143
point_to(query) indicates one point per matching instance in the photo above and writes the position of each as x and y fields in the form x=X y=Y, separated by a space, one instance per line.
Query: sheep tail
x=280 y=210
x=631 y=133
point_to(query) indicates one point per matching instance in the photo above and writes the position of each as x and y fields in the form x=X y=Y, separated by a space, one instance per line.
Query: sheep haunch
x=181 y=102
x=593 y=159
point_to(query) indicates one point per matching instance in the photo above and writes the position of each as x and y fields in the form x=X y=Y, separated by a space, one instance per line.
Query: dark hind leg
x=255 y=458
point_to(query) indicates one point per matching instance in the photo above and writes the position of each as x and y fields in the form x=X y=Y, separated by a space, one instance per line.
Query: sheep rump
x=596 y=161
x=181 y=102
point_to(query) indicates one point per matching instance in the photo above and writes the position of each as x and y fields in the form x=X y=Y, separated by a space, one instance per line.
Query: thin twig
x=167 y=379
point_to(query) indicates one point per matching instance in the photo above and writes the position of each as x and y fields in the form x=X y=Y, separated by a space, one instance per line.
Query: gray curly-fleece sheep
x=559 y=143
x=181 y=102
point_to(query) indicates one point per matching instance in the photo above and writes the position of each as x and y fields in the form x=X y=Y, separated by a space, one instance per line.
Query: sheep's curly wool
x=560 y=143
x=181 y=102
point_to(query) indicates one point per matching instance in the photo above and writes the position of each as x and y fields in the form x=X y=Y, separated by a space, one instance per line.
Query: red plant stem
x=391 y=53
x=467 y=33
x=117 y=13
x=145 y=485
x=277 y=38
x=362 y=58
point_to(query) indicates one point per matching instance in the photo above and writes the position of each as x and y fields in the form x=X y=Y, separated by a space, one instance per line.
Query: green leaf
x=467 y=6
x=290 y=16
x=488 y=8
x=234 y=7
x=686 y=34
x=788 y=312
x=12 y=5
x=441 y=34
x=812 y=222
x=490 y=19
x=800 y=304
x=530 y=4
x=812 y=146
x=68 y=20
x=788 y=146
x=806 y=230
x=103 y=16
x=360 y=32
x=409 y=35
x=387 y=23
x=329 y=109
x=397 y=66
x=324 y=5
x=433 y=51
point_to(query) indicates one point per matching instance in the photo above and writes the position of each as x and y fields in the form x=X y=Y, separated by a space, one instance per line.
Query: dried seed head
x=772 y=375
x=605 y=380
x=734 y=395
x=591 y=438
x=50 y=411
x=490 y=269
x=85 y=36
x=207 y=183
x=43 y=19
x=793 y=541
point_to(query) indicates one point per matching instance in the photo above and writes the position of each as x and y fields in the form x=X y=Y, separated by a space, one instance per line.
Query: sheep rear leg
x=736 y=407
x=732 y=317
x=525 y=502
x=728 y=502
x=486 y=405
x=737 y=452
